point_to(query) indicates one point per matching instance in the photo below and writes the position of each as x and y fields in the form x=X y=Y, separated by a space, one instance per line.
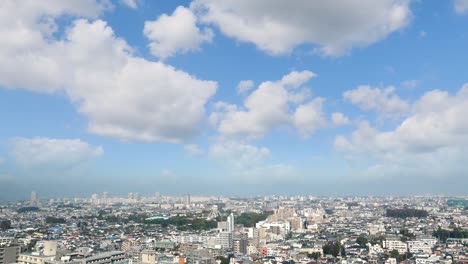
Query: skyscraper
x=230 y=223
x=33 y=197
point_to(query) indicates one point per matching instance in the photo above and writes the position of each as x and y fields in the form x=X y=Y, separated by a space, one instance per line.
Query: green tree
x=314 y=255
x=5 y=224
x=332 y=248
x=362 y=241
x=394 y=254
x=250 y=219
x=54 y=220
x=28 y=209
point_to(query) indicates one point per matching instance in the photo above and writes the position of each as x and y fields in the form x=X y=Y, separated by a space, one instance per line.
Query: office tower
x=230 y=223
x=105 y=195
x=34 y=199
x=224 y=239
x=9 y=250
x=157 y=196
x=137 y=196
x=95 y=198
x=240 y=246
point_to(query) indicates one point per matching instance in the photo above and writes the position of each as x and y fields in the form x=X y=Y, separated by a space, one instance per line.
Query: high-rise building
x=224 y=239
x=230 y=223
x=130 y=196
x=9 y=250
x=34 y=199
x=137 y=196
x=95 y=198
x=240 y=246
x=105 y=195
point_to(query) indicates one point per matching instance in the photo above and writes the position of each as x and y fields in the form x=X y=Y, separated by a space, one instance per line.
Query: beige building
x=148 y=257
x=46 y=254
x=30 y=258
x=9 y=251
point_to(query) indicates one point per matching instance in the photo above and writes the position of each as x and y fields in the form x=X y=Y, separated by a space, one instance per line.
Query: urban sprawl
x=228 y=230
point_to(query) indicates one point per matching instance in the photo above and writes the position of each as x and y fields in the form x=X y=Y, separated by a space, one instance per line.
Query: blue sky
x=233 y=97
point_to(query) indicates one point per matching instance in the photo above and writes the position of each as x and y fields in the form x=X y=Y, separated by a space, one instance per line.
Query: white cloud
x=122 y=95
x=272 y=105
x=382 y=100
x=177 y=33
x=239 y=155
x=431 y=142
x=193 y=150
x=245 y=86
x=461 y=6
x=249 y=164
x=339 y=119
x=52 y=153
x=411 y=84
x=308 y=117
x=277 y=26
x=130 y=3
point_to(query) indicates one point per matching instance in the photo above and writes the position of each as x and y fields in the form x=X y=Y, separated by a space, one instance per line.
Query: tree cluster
x=250 y=219
x=332 y=249
x=362 y=241
x=28 y=209
x=5 y=224
x=396 y=255
x=443 y=234
x=183 y=223
x=54 y=220
x=406 y=212
x=315 y=255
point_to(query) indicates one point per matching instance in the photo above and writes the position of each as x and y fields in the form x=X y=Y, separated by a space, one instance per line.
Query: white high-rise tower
x=33 y=197
x=230 y=223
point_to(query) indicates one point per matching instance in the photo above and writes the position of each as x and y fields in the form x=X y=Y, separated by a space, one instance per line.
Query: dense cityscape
x=222 y=230
x=233 y=131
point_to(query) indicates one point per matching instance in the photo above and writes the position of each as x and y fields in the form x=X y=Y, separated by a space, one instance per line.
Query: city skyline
x=235 y=98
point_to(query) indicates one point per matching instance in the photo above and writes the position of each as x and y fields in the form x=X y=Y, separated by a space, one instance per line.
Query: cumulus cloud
x=130 y=3
x=431 y=142
x=122 y=95
x=333 y=26
x=193 y=150
x=42 y=152
x=308 y=117
x=272 y=105
x=245 y=86
x=339 y=119
x=411 y=84
x=382 y=100
x=461 y=6
x=177 y=33
x=250 y=164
